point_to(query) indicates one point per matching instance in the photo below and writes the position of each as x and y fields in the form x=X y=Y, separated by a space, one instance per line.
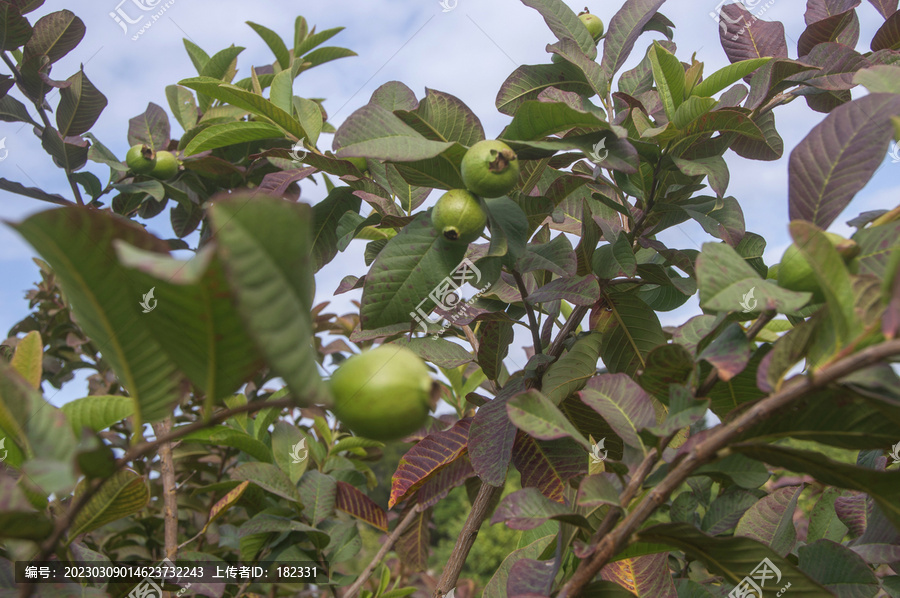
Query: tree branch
x=479 y=512
x=532 y=320
x=570 y=326
x=707 y=450
x=385 y=548
x=170 y=499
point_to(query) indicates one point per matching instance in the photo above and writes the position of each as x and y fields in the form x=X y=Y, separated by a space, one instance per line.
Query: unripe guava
x=166 y=166
x=140 y=159
x=594 y=25
x=490 y=169
x=383 y=393
x=796 y=273
x=458 y=217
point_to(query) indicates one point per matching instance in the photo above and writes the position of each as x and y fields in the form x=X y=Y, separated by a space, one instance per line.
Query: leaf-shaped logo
x=146 y=301
x=596 y=455
x=895 y=452
x=448 y=5
x=299 y=151
x=600 y=153
x=296 y=457
x=746 y=302
x=2 y=445
x=895 y=152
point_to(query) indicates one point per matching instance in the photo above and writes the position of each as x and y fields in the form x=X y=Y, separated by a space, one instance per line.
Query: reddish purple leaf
x=277 y=183
x=578 y=290
x=528 y=577
x=853 y=510
x=352 y=501
x=744 y=36
x=494 y=339
x=817 y=10
x=885 y=7
x=888 y=36
x=643 y=576
x=624 y=29
x=838 y=158
x=837 y=64
x=444 y=481
x=729 y=353
x=412 y=545
x=425 y=459
x=548 y=464
x=769 y=80
x=842 y=28
x=492 y=435
x=526 y=509
x=770 y=520
x=150 y=128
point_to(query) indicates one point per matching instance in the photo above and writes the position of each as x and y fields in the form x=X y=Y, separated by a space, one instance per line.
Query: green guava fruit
x=594 y=25
x=458 y=217
x=166 y=166
x=383 y=393
x=140 y=159
x=796 y=273
x=490 y=169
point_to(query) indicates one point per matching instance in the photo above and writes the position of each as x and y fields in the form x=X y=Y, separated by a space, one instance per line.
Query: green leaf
x=406 y=271
x=744 y=472
x=97 y=412
x=668 y=73
x=839 y=569
x=692 y=109
x=183 y=106
x=285 y=438
x=528 y=81
x=725 y=279
x=883 y=487
x=123 y=494
x=225 y=134
x=221 y=65
x=265 y=246
x=326 y=217
x=823 y=520
x=196 y=54
x=18 y=518
x=318 y=493
x=28 y=358
x=630 y=331
x=536 y=120
x=326 y=54
x=443 y=117
x=534 y=414
x=571 y=372
x=224 y=436
x=494 y=339
x=80 y=105
x=195 y=320
x=596 y=490
x=275 y=43
x=12 y=110
x=315 y=39
x=268 y=477
x=725 y=76
x=247 y=100
x=734 y=558
x=310 y=115
x=374 y=132
x=77 y=244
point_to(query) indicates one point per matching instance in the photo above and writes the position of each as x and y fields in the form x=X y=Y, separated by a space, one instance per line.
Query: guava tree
x=624 y=493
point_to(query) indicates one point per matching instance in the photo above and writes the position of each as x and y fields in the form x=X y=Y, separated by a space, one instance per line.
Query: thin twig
x=571 y=325
x=385 y=548
x=532 y=320
x=466 y=538
x=707 y=450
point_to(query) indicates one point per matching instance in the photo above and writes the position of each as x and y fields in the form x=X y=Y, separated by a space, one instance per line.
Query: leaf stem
x=532 y=320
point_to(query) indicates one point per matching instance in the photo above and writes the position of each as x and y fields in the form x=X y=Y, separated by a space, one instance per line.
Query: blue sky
x=468 y=52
